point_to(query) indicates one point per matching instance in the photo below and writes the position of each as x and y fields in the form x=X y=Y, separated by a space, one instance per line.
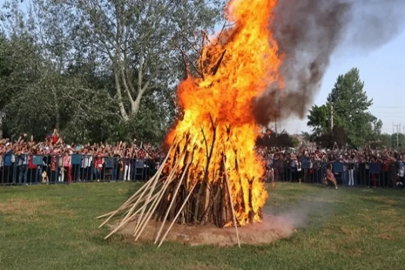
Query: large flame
x=224 y=100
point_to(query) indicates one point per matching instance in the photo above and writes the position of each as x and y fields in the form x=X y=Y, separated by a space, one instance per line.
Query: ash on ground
x=271 y=229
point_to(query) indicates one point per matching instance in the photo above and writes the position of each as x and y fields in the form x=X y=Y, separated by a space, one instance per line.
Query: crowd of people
x=52 y=160
x=26 y=161
x=367 y=167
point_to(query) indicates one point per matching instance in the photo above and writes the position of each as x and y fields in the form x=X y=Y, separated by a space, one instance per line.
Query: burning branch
x=215 y=69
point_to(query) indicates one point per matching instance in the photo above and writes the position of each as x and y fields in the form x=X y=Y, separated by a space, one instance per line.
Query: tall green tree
x=319 y=120
x=137 y=40
x=348 y=104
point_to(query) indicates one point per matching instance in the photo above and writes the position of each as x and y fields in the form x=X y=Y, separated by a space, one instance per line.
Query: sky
x=383 y=73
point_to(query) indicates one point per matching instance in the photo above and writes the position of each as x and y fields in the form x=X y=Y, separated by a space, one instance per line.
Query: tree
x=318 y=120
x=137 y=40
x=98 y=70
x=351 y=114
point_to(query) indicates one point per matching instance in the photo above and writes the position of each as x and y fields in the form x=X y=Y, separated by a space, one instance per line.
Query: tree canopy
x=348 y=106
x=97 y=70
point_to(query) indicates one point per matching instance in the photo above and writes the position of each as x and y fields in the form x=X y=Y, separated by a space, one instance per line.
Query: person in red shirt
x=55 y=136
x=98 y=165
x=32 y=170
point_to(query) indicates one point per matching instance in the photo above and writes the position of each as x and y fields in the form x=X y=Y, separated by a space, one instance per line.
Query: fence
x=363 y=174
x=54 y=169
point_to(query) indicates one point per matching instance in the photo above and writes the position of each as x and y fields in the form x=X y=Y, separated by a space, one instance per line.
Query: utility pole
x=398 y=127
x=331 y=117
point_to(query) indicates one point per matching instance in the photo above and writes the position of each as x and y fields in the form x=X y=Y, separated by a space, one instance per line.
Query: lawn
x=53 y=227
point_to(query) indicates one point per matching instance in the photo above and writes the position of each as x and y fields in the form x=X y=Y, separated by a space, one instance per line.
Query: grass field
x=53 y=227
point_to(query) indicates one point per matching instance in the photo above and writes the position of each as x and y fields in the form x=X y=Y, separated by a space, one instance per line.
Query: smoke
x=308 y=32
x=298 y=216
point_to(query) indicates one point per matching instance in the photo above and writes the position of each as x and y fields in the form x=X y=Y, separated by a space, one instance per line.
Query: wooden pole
x=154 y=205
x=172 y=202
x=230 y=199
x=142 y=219
x=157 y=175
x=113 y=213
x=128 y=206
x=141 y=198
x=128 y=219
x=178 y=214
x=143 y=187
x=148 y=199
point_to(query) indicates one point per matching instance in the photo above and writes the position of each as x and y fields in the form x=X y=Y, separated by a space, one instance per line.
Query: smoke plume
x=299 y=215
x=308 y=32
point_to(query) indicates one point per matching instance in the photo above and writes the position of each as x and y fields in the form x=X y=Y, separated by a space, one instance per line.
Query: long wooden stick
x=147 y=201
x=139 y=190
x=141 y=199
x=178 y=214
x=172 y=202
x=127 y=207
x=157 y=175
x=143 y=217
x=154 y=205
x=230 y=199
x=126 y=221
x=126 y=203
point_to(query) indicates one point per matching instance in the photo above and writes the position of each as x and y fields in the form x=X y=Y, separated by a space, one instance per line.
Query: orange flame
x=218 y=107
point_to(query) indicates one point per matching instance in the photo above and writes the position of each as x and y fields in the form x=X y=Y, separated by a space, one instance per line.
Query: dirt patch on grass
x=122 y=191
x=270 y=230
x=381 y=200
x=353 y=232
x=201 y=266
x=23 y=206
x=30 y=210
x=386 y=236
x=392 y=213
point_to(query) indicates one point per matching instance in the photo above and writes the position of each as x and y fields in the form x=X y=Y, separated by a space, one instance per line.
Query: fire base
x=270 y=230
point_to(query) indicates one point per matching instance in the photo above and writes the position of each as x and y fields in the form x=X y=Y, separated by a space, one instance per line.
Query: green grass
x=53 y=227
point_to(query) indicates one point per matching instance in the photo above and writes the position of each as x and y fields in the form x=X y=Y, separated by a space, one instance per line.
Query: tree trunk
x=137 y=102
x=57 y=115
x=124 y=114
x=1 y=128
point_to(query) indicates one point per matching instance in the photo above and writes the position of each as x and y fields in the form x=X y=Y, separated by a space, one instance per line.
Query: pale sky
x=383 y=72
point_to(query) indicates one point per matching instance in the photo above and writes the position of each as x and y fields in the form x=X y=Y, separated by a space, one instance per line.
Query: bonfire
x=212 y=173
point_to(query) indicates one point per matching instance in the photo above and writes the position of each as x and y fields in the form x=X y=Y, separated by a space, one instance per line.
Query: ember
x=212 y=173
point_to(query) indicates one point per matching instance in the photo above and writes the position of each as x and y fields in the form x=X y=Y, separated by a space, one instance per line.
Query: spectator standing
x=98 y=165
x=67 y=166
x=23 y=167
x=8 y=165
x=350 y=165
x=55 y=136
x=401 y=172
x=127 y=170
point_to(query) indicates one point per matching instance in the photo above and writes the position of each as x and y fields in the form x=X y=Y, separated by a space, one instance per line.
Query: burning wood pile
x=212 y=174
